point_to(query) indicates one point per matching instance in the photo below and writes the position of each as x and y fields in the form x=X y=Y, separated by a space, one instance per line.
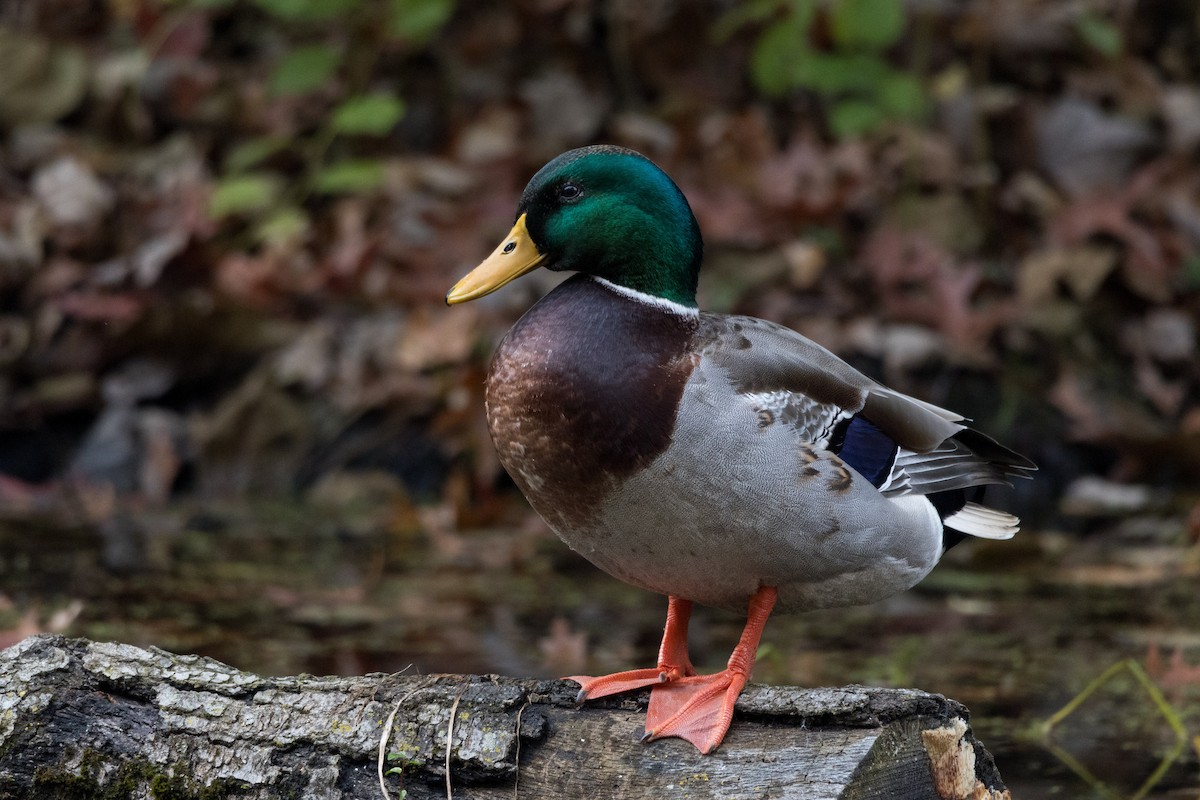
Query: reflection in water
x=1014 y=630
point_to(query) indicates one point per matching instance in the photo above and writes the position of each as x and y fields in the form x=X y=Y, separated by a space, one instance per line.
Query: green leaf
x=852 y=118
x=283 y=225
x=40 y=80
x=902 y=95
x=776 y=54
x=369 y=114
x=353 y=175
x=418 y=20
x=304 y=69
x=874 y=24
x=244 y=194
x=833 y=73
x=1100 y=34
x=253 y=152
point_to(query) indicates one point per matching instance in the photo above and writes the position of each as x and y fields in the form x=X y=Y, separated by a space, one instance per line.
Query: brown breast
x=583 y=391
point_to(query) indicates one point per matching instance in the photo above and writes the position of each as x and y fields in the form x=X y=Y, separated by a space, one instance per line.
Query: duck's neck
x=652 y=300
x=659 y=255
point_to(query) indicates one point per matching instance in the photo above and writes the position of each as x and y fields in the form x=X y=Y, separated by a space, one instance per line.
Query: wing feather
x=762 y=357
x=802 y=384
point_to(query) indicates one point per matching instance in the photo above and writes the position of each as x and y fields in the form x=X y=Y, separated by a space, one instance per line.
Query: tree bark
x=89 y=719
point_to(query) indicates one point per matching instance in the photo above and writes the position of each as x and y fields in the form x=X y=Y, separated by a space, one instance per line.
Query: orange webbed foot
x=698 y=709
x=673 y=661
x=592 y=688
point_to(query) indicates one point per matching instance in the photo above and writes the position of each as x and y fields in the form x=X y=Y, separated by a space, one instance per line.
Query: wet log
x=91 y=719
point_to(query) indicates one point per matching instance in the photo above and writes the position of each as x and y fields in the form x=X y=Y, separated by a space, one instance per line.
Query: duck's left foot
x=592 y=688
x=673 y=661
x=683 y=704
x=698 y=709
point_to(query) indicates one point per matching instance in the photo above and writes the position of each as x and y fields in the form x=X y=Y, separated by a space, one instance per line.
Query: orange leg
x=673 y=661
x=683 y=704
x=699 y=708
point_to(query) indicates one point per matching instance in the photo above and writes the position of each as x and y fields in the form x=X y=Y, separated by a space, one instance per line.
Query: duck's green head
x=605 y=211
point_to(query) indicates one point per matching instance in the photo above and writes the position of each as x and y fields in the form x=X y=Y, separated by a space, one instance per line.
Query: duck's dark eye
x=569 y=191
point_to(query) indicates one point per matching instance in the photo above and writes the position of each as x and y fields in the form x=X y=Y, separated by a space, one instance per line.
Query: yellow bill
x=515 y=256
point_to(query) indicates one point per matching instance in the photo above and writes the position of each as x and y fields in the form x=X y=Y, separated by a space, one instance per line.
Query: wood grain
x=91 y=719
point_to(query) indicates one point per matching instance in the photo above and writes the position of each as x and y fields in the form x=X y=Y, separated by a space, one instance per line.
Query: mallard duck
x=721 y=460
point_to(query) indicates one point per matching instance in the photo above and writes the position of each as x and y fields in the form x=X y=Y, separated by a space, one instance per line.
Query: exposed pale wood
x=79 y=718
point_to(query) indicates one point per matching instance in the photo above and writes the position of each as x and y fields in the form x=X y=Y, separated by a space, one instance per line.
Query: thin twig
x=387 y=734
x=383 y=740
x=517 y=755
x=450 y=740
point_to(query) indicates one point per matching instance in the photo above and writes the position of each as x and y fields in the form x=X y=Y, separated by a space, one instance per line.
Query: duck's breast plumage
x=698 y=455
x=583 y=392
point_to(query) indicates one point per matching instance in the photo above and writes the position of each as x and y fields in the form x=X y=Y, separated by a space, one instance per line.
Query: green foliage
x=352 y=175
x=242 y=194
x=837 y=74
x=40 y=80
x=305 y=69
x=852 y=118
x=286 y=224
x=369 y=115
x=406 y=762
x=1100 y=34
x=1165 y=710
x=317 y=57
x=861 y=89
x=902 y=95
x=418 y=20
x=872 y=24
x=253 y=152
x=774 y=64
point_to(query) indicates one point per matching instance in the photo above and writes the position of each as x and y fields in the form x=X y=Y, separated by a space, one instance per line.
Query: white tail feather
x=986 y=523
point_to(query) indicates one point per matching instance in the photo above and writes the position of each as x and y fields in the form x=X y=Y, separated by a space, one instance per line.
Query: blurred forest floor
x=236 y=417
